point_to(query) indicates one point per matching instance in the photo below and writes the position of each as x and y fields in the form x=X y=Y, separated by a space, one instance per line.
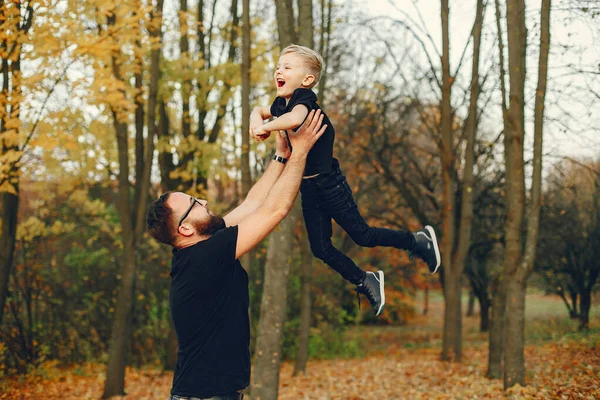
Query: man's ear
x=185 y=230
x=308 y=80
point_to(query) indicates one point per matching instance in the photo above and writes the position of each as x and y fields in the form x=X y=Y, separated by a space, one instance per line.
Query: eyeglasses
x=193 y=200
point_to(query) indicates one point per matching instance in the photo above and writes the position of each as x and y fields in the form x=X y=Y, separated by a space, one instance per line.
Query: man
x=209 y=288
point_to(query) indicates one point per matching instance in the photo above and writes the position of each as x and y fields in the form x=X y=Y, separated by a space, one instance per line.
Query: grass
x=546 y=320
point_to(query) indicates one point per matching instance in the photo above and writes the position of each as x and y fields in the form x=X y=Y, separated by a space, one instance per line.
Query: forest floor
x=398 y=363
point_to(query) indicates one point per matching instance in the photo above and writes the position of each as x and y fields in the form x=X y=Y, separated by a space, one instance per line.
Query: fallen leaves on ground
x=569 y=370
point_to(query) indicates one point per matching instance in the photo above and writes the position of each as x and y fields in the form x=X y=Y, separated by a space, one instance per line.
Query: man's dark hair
x=160 y=221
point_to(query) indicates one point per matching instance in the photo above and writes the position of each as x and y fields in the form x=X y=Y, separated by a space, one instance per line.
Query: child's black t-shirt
x=209 y=306
x=320 y=157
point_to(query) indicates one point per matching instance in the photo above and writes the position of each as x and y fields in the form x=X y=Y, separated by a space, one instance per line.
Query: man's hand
x=308 y=134
x=281 y=145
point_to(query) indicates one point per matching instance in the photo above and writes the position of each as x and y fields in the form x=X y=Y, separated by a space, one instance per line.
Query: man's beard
x=203 y=228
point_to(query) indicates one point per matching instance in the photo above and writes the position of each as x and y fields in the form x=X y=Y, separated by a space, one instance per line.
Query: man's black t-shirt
x=209 y=306
x=320 y=156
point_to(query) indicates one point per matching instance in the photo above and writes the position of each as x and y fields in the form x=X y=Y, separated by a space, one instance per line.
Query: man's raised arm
x=280 y=199
x=258 y=193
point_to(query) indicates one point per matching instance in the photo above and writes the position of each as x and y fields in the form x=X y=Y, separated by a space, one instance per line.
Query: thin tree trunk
x=165 y=158
x=285 y=22
x=226 y=93
x=574 y=313
x=452 y=345
x=186 y=84
x=484 y=312
x=247 y=259
x=10 y=115
x=139 y=105
x=305 y=24
x=454 y=262
x=265 y=376
x=305 y=38
x=519 y=264
x=584 y=314
x=496 y=337
x=514 y=356
x=324 y=46
x=246 y=65
x=305 y=307
x=132 y=229
x=451 y=286
x=471 y=303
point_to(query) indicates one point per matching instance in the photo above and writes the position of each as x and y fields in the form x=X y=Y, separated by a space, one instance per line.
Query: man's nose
x=203 y=203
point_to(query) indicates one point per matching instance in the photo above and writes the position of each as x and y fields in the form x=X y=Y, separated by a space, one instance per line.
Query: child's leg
x=340 y=205
x=319 y=228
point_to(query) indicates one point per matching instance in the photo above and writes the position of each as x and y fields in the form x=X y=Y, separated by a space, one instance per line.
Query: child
x=325 y=192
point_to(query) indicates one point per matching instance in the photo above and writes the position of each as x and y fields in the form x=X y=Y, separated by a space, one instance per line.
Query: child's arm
x=257 y=119
x=290 y=120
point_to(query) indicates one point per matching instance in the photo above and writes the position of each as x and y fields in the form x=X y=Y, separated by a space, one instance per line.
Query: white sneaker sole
x=382 y=291
x=436 y=248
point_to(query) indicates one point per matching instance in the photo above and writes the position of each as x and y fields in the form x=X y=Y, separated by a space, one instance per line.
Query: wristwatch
x=279 y=158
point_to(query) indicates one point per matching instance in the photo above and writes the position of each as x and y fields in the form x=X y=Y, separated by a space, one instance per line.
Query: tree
x=519 y=255
x=265 y=378
x=570 y=221
x=454 y=258
x=132 y=215
x=16 y=19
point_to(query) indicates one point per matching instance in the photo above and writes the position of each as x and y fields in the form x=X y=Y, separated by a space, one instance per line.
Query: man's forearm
x=261 y=188
x=283 y=193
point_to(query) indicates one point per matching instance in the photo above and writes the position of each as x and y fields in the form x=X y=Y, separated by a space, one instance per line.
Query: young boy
x=325 y=192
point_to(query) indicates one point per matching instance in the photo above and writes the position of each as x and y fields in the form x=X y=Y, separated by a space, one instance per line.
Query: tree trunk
x=132 y=216
x=514 y=337
x=186 y=84
x=324 y=46
x=246 y=57
x=305 y=24
x=496 y=338
x=9 y=210
x=484 y=312
x=451 y=286
x=471 y=304
x=518 y=262
x=267 y=355
x=286 y=27
x=19 y=24
x=454 y=262
x=574 y=313
x=247 y=259
x=305 y=307
x=305 y=38
x=121 y=328
x=452 y=335
x=584 y=313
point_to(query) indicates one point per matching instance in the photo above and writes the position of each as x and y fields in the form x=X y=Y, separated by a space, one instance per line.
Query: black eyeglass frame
x=185 y=214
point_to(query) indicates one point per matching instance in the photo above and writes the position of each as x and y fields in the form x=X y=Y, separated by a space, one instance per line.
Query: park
x=475 y=118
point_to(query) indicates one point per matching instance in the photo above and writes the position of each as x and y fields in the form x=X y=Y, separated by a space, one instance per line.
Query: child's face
x=291 y=74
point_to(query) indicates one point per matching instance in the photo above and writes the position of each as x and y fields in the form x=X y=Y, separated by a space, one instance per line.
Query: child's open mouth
x=280 y=83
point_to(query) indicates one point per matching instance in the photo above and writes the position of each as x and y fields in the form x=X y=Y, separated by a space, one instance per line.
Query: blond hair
x=312 y=60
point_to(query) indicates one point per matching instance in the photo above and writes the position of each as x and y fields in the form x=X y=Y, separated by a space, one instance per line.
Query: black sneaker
x=426 y=248
x=372 y=288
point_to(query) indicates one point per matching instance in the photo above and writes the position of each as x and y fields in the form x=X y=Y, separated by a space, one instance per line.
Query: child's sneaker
x=426 y=248
x=372 y=288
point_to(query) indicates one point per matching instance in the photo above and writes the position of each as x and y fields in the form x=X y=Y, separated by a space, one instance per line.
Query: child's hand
x=259 y=133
